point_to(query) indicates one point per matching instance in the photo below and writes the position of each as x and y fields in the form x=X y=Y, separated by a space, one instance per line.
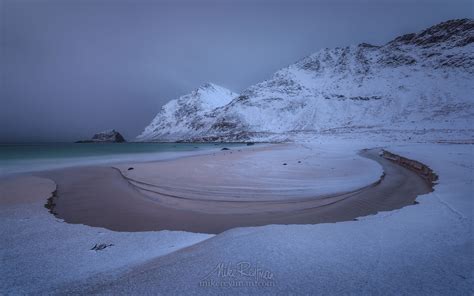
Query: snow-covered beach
x=422 y=248
x=353 y=174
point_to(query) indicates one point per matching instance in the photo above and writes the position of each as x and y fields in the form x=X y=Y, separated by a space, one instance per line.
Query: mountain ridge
x=416 y=81
x=178 y=118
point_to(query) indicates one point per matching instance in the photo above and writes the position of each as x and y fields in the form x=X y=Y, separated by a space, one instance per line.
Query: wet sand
x=110 y=198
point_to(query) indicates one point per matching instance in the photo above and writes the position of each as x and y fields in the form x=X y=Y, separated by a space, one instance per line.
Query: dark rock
x=359 y=98
x=367 y=45
x=99 y=247
x=242 y=98
x=405 y=38
x=51 y=202
x=223 y=125
x=456 y=30
x=129 y=169
x=109 y=136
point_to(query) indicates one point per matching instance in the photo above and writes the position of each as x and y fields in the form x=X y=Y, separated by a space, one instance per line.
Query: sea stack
x=108 y=136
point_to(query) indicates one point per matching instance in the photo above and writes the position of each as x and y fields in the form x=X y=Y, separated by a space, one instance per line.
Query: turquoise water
x=17 y=158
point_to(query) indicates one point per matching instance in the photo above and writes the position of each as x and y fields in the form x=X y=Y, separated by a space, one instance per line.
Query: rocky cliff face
x=109 y=136
x=415 y=82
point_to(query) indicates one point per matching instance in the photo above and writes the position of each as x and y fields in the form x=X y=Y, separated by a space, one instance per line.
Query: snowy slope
x=416 y=82
x=184 y=117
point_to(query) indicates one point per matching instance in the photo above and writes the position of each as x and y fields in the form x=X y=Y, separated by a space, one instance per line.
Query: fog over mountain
x=69 y=69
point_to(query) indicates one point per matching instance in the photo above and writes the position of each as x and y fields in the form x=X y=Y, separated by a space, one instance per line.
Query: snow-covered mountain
x=416 y=82
x=183 y=118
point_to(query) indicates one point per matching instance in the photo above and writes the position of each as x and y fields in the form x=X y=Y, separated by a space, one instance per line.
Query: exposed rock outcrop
x=109 y=136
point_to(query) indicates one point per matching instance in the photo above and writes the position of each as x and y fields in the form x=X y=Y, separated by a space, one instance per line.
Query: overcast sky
x=70 y=68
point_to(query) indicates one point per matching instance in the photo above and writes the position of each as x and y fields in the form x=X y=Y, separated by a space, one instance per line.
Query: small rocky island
x=108 y=136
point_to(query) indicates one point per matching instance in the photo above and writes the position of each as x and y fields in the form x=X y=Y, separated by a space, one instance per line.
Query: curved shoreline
x=294 y=200
x=114 y=203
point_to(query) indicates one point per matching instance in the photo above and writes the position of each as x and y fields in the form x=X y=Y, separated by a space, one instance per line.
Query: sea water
x=21 y=158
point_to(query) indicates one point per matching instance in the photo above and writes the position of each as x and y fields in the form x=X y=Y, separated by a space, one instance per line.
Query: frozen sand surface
x=93 y=196
x=275 y=172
